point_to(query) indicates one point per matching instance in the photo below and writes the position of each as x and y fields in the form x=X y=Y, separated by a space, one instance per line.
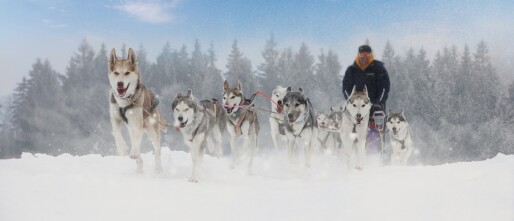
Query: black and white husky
x=401 y=138
x=241 y=121
x=276 y=119
x=354 y=128
x=131 y=102
x=199 y=123
x=300 y=123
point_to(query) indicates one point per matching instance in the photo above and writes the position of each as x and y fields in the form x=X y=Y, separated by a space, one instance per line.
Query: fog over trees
x=456 y=103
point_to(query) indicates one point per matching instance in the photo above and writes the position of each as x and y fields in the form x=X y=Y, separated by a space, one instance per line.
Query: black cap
x=365 y=48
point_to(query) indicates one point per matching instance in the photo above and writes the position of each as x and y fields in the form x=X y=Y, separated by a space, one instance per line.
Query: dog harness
x=148 y=107
x=242 y=117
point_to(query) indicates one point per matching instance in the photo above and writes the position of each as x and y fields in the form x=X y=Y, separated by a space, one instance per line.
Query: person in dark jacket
x=370 y=72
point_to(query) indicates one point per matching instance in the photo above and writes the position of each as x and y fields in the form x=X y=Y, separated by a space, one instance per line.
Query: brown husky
x=131 y=102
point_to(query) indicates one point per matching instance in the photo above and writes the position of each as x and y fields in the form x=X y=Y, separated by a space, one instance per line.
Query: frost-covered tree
x=328 y=77
x=199 y=63
x=240 y=68
x=303 y=68
x=269 y=75
x=213 y=81
x=286 y=66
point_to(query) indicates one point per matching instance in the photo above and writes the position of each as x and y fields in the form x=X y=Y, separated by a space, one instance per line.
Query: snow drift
x=92 y=187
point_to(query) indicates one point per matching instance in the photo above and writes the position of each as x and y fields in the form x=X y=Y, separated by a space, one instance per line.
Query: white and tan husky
x=401 y=138
x=241 y=121
x=131 y=102
x=354 y=128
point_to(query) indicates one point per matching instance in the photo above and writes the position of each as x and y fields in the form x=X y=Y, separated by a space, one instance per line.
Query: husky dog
x=199 y=123
x=241 y=120
x=276 y=120
x=401 y=138
x=354 y=127
x=131 y=102
x=300 y=123
x=329 y=123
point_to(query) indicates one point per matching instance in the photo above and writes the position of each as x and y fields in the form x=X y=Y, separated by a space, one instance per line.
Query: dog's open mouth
x=229 y=110
x=279 y=109
x=291 y=120
x=359 y=119
x=183 y=124
x=122 y=91
x=395 y=132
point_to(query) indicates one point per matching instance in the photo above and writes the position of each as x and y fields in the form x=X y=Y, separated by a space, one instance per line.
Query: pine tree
x=269 y=71
x=303 y=68
x=213 y=82
x=199 y=65
x=286 y=67
x=485 y=85
x=239 y=68
x=328 y=78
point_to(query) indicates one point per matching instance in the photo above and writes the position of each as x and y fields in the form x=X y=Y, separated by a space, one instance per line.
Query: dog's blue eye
x=116 y=73
x=232 y=97
x=363 y=105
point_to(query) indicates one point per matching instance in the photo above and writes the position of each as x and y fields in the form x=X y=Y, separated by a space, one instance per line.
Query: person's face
x=364 y=57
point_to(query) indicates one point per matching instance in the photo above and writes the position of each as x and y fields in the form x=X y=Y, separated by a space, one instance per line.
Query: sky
x=54 y=29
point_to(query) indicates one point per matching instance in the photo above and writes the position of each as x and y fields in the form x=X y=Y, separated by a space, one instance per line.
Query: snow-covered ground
x=99 y=188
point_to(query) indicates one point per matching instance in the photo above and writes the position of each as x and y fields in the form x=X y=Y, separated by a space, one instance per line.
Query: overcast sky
x=54 y=29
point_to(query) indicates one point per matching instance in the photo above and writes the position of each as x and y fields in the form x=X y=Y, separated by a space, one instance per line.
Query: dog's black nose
x=336 y=125
x=120 y=84
x=180 y=118
x=290 y=115
x=359 y=115
x=394 y=128
x=279 y=102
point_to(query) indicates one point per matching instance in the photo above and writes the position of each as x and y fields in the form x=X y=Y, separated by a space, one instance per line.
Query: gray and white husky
x=276 y=119
x=241 y=121
x=354 y=128
x=329 y=124
x=300 y=123
x=199 y=123
x=401 y=138
x=131 y=102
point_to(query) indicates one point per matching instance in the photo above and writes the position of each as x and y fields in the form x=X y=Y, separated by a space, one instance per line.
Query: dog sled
x=376 y=132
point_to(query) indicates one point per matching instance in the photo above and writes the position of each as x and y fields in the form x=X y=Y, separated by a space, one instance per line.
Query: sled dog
x=241 y=120
x=131 y=102
x=401 y=140
x=329 y=123
x=300 y=123
x=354 y=128
x=276 y=119
x=199 y=123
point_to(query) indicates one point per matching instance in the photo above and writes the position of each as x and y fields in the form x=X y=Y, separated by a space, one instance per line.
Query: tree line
x=457 y=99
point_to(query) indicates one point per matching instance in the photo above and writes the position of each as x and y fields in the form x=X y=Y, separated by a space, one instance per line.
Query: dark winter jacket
x=374 y=76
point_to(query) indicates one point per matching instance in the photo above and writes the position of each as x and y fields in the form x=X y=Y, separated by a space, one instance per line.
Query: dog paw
x=158 y=169
x=135 y=155
x=193 y=180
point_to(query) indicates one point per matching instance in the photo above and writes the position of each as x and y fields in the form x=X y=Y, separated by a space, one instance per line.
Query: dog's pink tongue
x=279 y=109
x=121 y=91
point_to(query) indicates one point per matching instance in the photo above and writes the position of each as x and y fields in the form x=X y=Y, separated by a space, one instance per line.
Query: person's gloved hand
x=378 y=106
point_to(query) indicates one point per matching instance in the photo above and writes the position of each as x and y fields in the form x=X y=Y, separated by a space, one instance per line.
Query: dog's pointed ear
x=401 y=112
x=131 y=56
x=353 y=90
x=112 y=58
x=332 y=108
x=239 y=87
x=288 y=90
x=226 y=87
x=366 y=90
x=301 y=90
x=179 y=95
x=189 y=93
x=341 y=108
x=388 y=112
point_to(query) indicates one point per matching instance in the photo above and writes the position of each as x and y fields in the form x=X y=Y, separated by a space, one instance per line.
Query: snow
x=92 y=187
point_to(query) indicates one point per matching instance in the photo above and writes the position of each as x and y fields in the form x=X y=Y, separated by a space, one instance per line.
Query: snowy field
x=92 y=187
